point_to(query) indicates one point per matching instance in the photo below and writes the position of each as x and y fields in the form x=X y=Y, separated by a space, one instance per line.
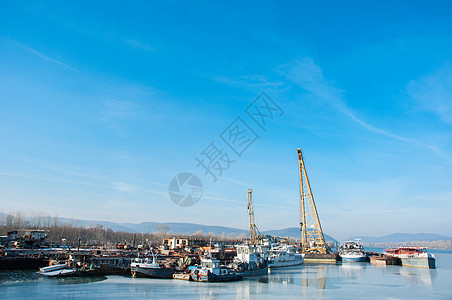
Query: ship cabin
x=250 y=253
x=210 y=265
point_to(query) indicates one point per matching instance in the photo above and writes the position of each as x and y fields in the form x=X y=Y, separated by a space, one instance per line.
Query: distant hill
x=179 y=228
x=405 y=237
x=293 y=232
x=190 y=228
x=183 y=228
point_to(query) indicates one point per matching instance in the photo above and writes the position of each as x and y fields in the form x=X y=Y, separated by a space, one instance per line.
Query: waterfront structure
x=312 y=239
x=174 y=243
x=255 y=234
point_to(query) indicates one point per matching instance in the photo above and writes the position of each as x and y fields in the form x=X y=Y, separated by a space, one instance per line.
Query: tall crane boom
x=254 y=232
x=312 y=239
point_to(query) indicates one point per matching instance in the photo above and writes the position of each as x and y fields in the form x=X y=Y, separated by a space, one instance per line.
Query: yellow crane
x=312 y=239
x=255 y=234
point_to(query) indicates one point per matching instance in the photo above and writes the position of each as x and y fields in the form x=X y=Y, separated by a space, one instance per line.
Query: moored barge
x=413 y=257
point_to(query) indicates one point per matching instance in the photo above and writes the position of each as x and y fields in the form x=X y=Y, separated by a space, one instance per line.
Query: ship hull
x=281 y=264
x=215 y=278
x=419 y=262
x=354 y=258
x=384 y=260
x=318 y=258
x=22 y=263
x=164 y=273
x=254 y=272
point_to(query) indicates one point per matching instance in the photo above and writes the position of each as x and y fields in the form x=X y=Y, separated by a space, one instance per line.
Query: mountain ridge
x=191 y=228
x=404 y=237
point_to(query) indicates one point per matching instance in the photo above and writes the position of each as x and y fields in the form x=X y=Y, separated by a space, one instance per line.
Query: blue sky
x=102 y=104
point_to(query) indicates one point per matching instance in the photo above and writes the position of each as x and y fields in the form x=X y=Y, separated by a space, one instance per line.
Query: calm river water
x=309 y=281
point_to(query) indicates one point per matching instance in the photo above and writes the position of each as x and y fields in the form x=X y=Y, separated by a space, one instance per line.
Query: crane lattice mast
x=254 y=232
x=312 y=239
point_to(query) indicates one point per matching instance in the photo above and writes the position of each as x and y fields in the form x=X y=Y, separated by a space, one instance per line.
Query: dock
x=383 y=259
x=318 y=258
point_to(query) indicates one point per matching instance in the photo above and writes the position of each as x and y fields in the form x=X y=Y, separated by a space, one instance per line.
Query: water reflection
x=246 y=289
x=315 y=276
x=353 y=270
x=279 y=278
x=12 y=277
x=19 y=277
x=417 y=276
x=77 y=280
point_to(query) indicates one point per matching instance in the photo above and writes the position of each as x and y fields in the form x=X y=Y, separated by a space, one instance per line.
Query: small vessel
x=60 y=270
x=58 y=273
x=352 y=251
x=284 y=256
x=53 y=268
x=148 y=267
x=251 y=260
x=413 y=257
x=111 y=264
x=182 y=276
x=211 y=271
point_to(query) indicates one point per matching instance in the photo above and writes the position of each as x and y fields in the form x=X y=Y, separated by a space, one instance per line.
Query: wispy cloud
x=234 y=181
x=124 y=187
x=251 y=82
x=309 y=76
x=134 y=43
x=41 y=55
x=51 y=179
x=115 y=112
x=119 y=110
x=433 y=93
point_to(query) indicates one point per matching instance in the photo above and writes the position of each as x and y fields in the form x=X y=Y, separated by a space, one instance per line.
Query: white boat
x=147 y=267
x=352 y=251
x=53 y=268
x=284 y=256
x=251 y=260
x=58 y=273
x=211 y=271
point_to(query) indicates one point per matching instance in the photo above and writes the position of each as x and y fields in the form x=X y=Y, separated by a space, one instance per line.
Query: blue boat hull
x=354 y=259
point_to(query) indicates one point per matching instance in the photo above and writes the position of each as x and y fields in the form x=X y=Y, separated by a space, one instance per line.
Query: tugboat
x=211 y=271
x=251 y=260
x=284 y=256
x=147 y=267
x=352 y=251
x=413 y=257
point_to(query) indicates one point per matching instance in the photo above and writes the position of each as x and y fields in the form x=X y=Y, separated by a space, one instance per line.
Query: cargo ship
x=352 y=251
x=413 y=257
